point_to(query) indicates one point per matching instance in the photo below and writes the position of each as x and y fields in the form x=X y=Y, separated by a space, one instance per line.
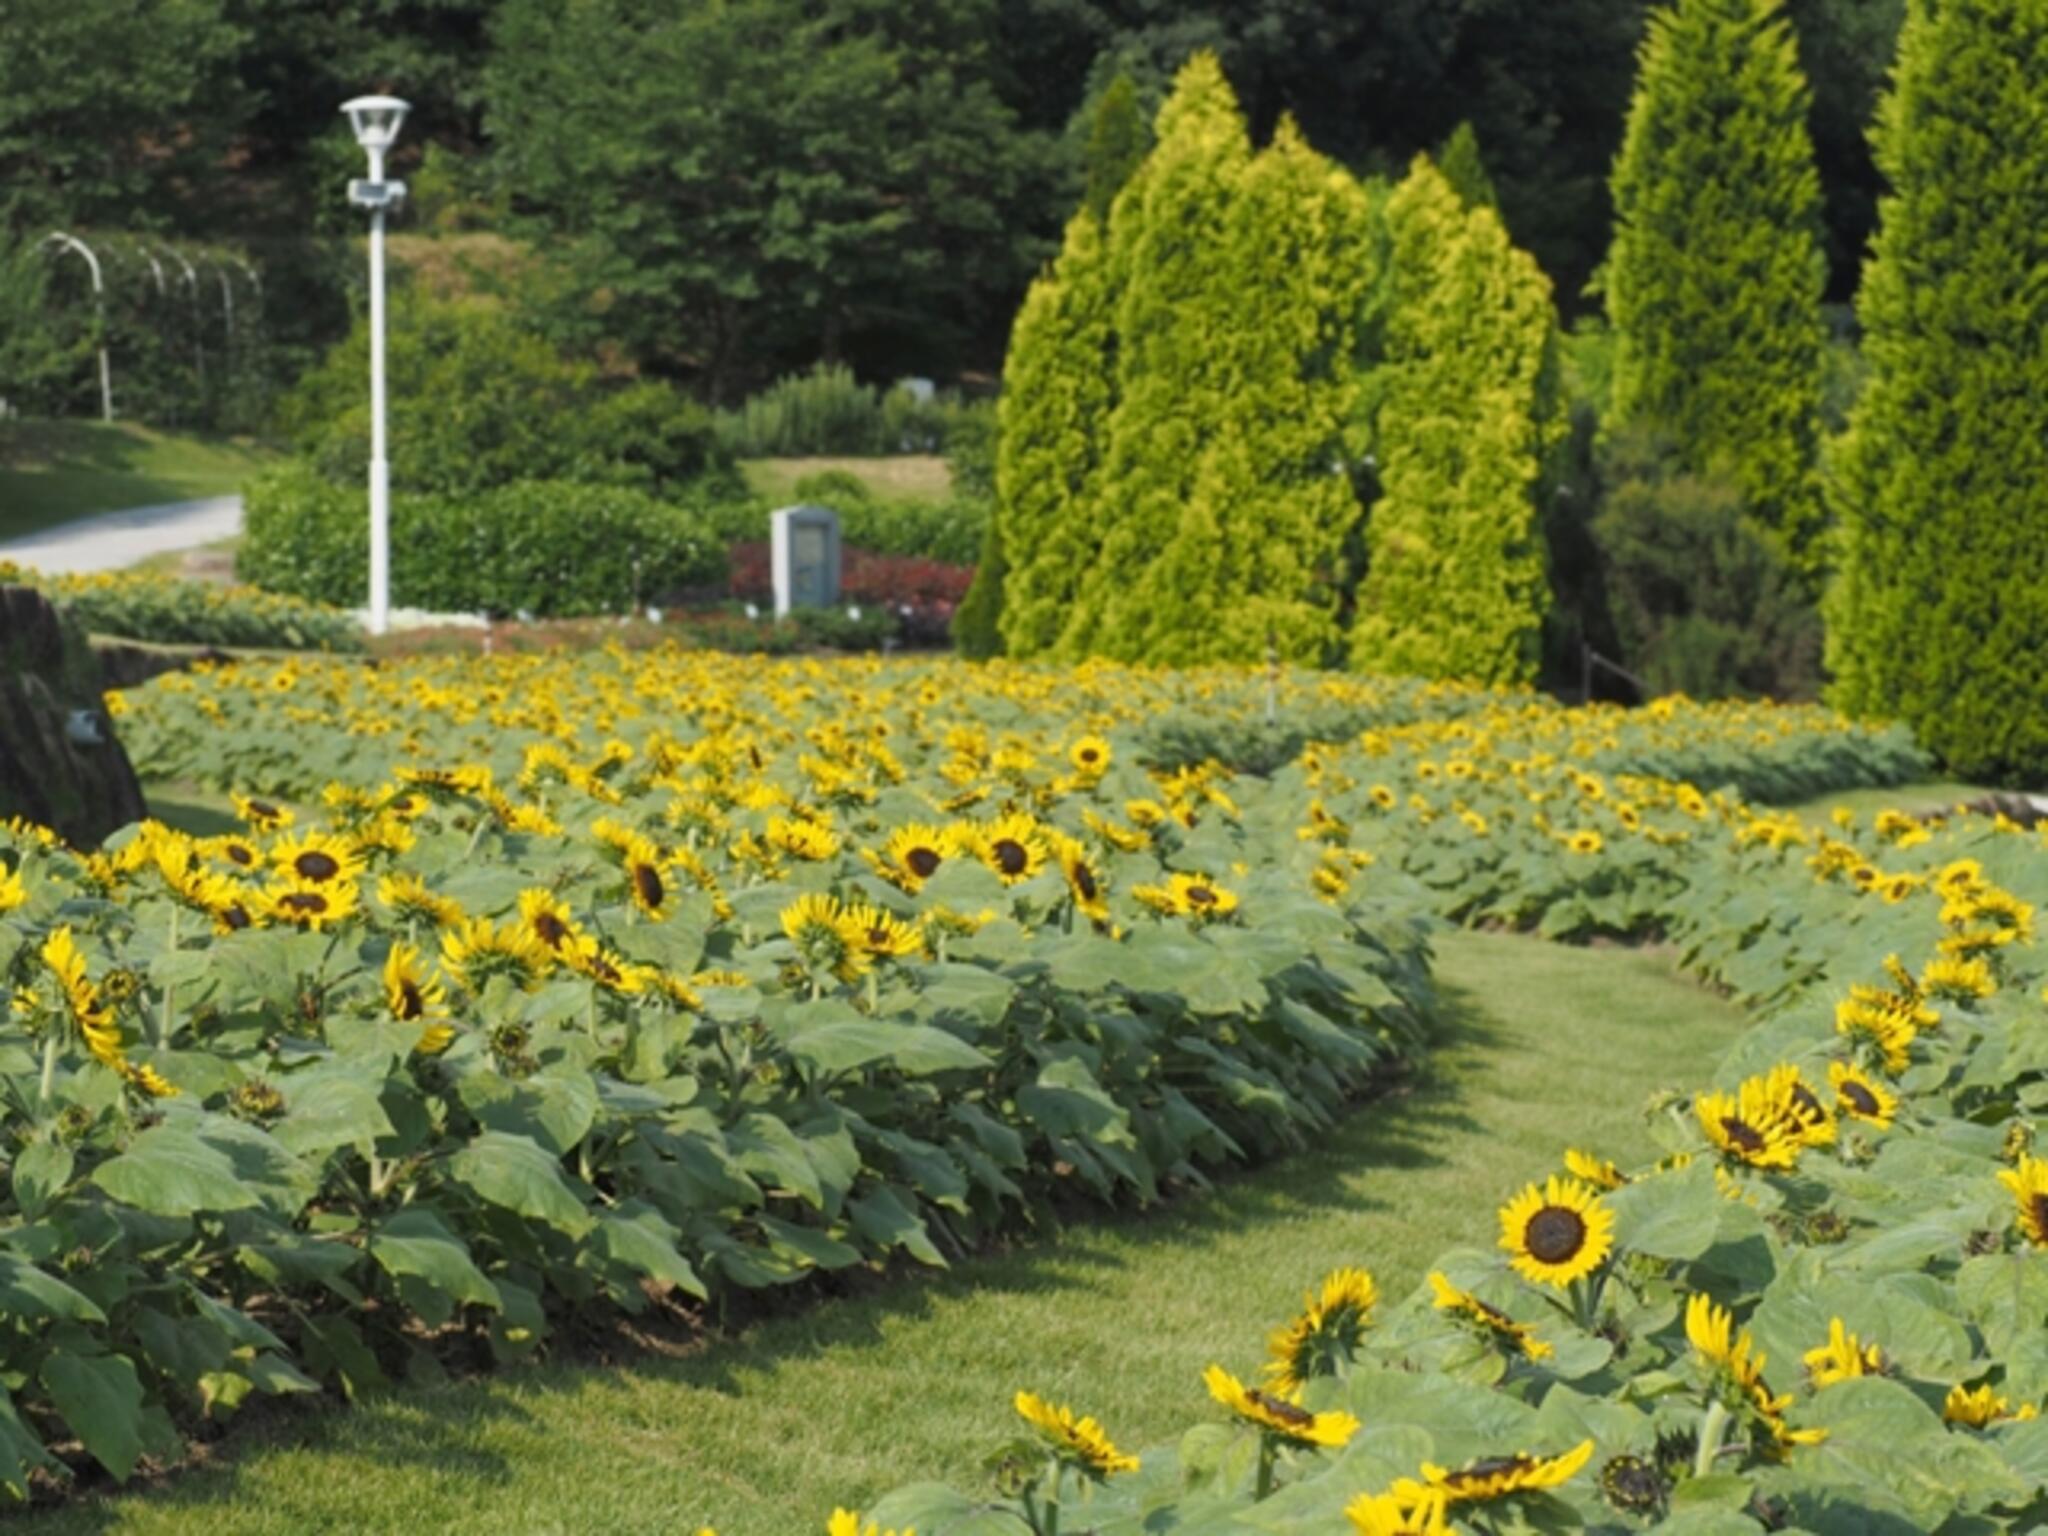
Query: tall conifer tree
x=1464 y=421
x=1939 y=614
x=1715 y=277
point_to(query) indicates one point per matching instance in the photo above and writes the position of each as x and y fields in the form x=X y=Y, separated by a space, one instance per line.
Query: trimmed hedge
x=550 y=548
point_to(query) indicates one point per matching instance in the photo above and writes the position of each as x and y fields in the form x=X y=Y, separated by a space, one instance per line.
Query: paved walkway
x=115 y=539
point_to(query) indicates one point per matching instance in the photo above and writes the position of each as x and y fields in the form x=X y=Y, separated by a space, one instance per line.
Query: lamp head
x=376 y=120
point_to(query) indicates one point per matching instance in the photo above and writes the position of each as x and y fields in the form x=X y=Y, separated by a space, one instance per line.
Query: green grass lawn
x=761 y=1433
x=1931 y=794
x=54 y=471
x=898 y=477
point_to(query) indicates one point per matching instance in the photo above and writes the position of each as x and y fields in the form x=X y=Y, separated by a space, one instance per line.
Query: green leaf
x=639 y=1237
x=846 y=1045
x=169 y=1171
x=29 y=1294
x=1668 y=1215
x=333 y=1109
x=100 y=1398
x=41 y=1170
x=1067 y=1101
x=555 y=1107
x=416 y=1244
x=884 y=1218
x=516 y=1172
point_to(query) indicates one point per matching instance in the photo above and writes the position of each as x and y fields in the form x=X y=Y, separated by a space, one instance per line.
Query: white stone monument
x=804 y=557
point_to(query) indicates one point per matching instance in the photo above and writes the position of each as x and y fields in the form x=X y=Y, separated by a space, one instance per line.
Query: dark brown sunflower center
x=549 y=929
x=1084 y=882
x=2037 y=1212
x=1809 y=1107
x=242 y=854
x=1554 y=1234
x=234 y=915
x=1201 y=896
x=1279 y=1408
x=647 y=882
x=605 y=971
x=315 y=865
x=308 y=903
x=1859 y=1098
x=410 y=1005
x=921 y=862
x=1089 y=755
x=1741 y=1135
x=1011 y=856
x=267 y=811
x=1486 y=1471
x=878 y=937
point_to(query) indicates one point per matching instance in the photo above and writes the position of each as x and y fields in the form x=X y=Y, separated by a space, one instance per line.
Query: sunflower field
x=543 y=984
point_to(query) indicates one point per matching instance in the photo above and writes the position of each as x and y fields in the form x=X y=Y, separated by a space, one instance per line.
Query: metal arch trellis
x=159 y=266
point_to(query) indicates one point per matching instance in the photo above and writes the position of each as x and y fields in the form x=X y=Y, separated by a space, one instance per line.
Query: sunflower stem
x=1052 y=1500
x=1712 y=1428
x=50 y=1044
x=1265 y=1485
x=163 y=1027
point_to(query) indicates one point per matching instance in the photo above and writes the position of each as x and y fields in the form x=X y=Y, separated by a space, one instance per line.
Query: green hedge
x=144 y=605
x=549 y=548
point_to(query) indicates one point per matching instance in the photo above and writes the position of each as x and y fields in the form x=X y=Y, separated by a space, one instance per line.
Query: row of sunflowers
x=1820 y=1310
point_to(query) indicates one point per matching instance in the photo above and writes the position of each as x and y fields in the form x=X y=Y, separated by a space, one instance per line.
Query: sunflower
x=884 y=935
x=1091 y=757
x=1843 y=1358
x=1078 y=1442
x=92 y=1017
x=1014 y=847
x=1516 y=1338
x=544 y=915
x=2029 y=1185
x=1585 y=840
x=1277 y=1413
x=586 y=957
x=237 y=852
x=1958 y=980
x=1408 y=1509
x=826 y=936
x=1185 y=895
x=845 y=1522
x=408 y=895
x=644 y=885
x=231 y=907
x=1082 y=880
x=1731 y=1357
x=1980 y=1407
x=263 y=815
x=1860 y=1096
x=311 y=907
x=1596 y=1171
x=1556 y=1233
x=475 y=949
x=150 y=1081
x=1815 y=1120
x=415 y=995
x=1324 y=1334
x=1634 y=1485
x=1885 y=1024
x=1498 y=1476
x=809 y=840
x=1123 y=839
x=12 y=892
x=317 y=859
x=1750 y=1125
x=913 y=854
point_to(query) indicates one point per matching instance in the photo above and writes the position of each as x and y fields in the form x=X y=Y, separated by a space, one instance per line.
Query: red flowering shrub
x=921 y=593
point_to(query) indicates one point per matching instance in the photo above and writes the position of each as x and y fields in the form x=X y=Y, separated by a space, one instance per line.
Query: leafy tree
x=1256 y=557
x=1462 y=167
x=750 y=183
x=1177 y=297
x=1058 y=390
x=1715 y=278
x=1118 y=138
x=1941 y=485
x=1464 y=419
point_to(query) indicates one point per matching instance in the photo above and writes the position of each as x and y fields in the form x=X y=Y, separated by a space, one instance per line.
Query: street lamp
x=376 y=121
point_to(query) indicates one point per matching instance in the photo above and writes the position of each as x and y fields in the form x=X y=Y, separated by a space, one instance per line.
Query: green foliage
x=1118 y=140
x=935 y=530
x=1058 y=389
x=977 y=622
x=1702 y=602
x=1937 y=613
x=1176 y=302
x=829 y=411
x=1464 y=417
x=140 y=605
x=478 y=401
x=552 y=549
x=1462 y=166
x=1715 y=279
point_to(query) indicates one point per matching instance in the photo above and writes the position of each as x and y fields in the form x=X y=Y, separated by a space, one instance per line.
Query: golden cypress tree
x=1464 y=419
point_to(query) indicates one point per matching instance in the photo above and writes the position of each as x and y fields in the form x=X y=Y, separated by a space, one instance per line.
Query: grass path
x=759 y=1435
x=54 y=471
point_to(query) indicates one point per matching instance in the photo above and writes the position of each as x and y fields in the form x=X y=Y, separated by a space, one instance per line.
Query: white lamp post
x=376 y=121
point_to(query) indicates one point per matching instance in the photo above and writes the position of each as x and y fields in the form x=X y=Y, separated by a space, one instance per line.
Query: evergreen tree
x=1178 y=297
x=1058 y=388
x=1939 y=610
x=1715 y=278
x=1462 y=167
x=977 y=622
x=1464 y=421
x=1118 y=139
x=1256 y=552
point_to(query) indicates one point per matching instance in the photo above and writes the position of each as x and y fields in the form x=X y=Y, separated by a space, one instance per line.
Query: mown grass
x=1927 y=795
x=54 y=471
x=897 y=477
x=759 y=1434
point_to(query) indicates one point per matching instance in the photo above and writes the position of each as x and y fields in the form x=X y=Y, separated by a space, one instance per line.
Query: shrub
x=1702 y=601
x=477 y=402
x=1942 y=482
x=829 y=411
x=139 y=605
x=950 y=531
x=918 y=596
x=548 y=548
